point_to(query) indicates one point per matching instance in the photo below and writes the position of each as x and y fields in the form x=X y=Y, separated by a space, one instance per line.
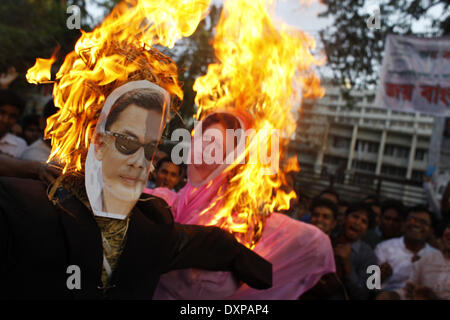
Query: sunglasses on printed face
x=127 y=145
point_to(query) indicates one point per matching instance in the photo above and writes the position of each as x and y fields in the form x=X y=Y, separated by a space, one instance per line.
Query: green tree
x=354 y=51
x=33 y=28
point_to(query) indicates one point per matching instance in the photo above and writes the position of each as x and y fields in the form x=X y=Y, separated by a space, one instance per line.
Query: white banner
x=415 y=76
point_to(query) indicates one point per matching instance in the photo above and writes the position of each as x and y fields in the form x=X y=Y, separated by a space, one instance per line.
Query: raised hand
x=8 y=78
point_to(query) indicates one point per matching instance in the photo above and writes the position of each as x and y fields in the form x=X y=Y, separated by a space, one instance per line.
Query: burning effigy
x=121 y=49
x=95 y=235
x=263 y=70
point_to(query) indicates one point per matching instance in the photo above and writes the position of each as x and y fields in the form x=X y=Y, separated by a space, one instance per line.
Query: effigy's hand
x=211 y=248
x=48 y=173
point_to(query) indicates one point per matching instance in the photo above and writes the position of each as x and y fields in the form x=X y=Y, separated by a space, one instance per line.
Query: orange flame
x=264 y=70
x=292 y=165
x=117 y=51
x=41 y=71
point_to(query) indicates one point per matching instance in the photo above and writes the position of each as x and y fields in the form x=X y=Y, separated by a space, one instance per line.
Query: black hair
x=8 y=97
x=441 y=226
x=322 y=202
x=393 y=204
x=164 y=160
x=330 y=191
x=372 y=199
x=362 y=206
x=422 y=208
x=29 y=120
x=343 y=203
x=49 y=110
x=146 y=98
x=227 y=120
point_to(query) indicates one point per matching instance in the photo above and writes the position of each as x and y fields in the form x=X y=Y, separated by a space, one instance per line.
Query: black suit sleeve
x=214 y=249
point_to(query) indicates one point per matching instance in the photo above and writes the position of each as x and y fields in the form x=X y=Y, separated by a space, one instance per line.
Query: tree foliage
x=354 y=51
x=33 y=28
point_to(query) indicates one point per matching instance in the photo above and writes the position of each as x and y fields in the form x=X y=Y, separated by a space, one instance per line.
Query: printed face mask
x=124 y=143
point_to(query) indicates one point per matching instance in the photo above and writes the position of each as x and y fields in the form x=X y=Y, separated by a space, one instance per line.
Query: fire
x=292 y=165
x=259 y=71
x=260 y=68
x=119 y=50
x=41 y=71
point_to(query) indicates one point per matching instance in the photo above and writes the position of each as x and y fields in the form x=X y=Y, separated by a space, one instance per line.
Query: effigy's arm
x=211 y=248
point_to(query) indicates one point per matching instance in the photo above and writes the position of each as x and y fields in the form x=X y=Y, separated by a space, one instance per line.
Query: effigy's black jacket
x=40 y=239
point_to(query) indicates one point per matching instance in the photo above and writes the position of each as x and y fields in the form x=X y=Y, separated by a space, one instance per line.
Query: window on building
x=334 y=160
x=389 y=150
x=420 y=154
x=366 y=146
x=394 y=171
x=359 y=146
x=341 y=142
x=364 y=166
x=373 y=147
x=417 y=175
x=402 y=152
x=396 y=151
x=358 y=99
x=333 y=97
x=422 y=139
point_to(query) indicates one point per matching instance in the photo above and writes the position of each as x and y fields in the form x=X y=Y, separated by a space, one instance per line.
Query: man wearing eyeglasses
x=124 y=145
x=397 y=256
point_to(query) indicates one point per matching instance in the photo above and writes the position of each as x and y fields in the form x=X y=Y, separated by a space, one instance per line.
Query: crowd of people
x=23 y=149
x=410 y=247
x=409 y=244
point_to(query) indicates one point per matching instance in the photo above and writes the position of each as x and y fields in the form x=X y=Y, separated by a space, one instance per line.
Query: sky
x=303 y=14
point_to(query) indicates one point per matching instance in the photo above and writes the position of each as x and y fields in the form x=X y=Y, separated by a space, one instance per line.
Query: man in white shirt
x=38 y=151
x=431 y=274
x=397 y=256
x=12 y=147
x=11 y=107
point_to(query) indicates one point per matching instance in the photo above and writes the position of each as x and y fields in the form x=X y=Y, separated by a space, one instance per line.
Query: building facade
x=338 y=138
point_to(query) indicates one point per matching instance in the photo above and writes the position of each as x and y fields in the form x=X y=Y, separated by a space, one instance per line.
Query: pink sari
x=300 y=253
